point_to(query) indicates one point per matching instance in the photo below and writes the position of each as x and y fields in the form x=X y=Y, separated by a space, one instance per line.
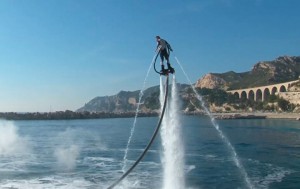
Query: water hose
x=155 y=64
x=151 y=140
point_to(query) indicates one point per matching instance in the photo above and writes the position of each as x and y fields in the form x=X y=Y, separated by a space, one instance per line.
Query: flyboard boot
x=170 y=69
x=163 y=70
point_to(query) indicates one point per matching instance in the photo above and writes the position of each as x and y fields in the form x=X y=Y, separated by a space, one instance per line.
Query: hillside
x=282 y=69
x=127 y=101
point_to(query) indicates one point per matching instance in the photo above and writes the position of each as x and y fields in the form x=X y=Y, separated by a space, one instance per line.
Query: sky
x=57 y=55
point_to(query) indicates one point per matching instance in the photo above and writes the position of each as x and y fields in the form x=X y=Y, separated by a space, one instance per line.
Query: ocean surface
x=88 y=154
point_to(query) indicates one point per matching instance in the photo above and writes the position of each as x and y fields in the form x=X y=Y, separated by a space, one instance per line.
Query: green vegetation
x=219 y=97
x=69 y=115
x=214 y=96
x=152 y=101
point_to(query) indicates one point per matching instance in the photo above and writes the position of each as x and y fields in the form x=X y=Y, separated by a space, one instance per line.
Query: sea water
x=89 y=153
x=231 y=148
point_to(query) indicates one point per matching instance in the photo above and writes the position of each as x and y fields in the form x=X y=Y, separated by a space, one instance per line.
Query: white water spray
x=135 y=117
x=11 y=143
x=224 y=138
x=67 y=150
x=66 y=157
x=173 y=151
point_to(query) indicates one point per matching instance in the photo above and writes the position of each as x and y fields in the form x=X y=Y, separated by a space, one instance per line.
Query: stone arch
x=251 y=95
x=282 y=88
x=243 y=96
x=266 y=94
x=274 y=90
x=258 y=95
x=236 y=95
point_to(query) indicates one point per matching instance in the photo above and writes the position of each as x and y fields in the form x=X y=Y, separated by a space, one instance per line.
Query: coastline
x=268 y=115
x=69 y=115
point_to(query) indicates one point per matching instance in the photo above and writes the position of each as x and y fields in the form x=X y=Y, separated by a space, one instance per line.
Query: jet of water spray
x=11 y=143
x=173 y=151
x=66 y=157
x=216 y=125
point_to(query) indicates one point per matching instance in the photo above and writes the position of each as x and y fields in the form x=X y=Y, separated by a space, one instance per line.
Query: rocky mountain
x=121 y=102
x=211 y=81
x=127 y=101
x=282 y=69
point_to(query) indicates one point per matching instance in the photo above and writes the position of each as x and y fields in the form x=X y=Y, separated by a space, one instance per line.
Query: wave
x=99 y=159
x=48 y=182
x=265 y=174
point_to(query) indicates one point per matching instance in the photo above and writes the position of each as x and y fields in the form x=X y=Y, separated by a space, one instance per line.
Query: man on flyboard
x=164 y=48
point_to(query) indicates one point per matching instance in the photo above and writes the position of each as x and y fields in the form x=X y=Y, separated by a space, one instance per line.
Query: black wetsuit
x=164 y=50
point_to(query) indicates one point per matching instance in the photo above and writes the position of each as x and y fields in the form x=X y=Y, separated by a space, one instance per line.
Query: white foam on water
x=270 y=174
x=106 y=159
x=129 y=183
x=189 y=168
x=48 y=183
x=276 y=176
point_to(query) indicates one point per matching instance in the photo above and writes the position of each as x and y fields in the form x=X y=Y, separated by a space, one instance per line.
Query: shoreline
x=295 y=116
x=69 y=115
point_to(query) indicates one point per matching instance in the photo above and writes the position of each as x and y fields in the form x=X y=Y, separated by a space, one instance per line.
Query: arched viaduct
x=263 y=92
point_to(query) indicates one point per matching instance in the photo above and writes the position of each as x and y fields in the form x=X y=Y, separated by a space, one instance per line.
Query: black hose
x=155 y=63
x=150 y=142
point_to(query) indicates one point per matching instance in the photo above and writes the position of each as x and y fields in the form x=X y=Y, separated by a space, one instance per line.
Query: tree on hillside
x=283 y=104
x=214 y=96
x=152 y=102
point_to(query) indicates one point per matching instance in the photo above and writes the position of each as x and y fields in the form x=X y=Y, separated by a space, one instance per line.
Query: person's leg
x=168 y=63
x=167 y=57
x=162 y=62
